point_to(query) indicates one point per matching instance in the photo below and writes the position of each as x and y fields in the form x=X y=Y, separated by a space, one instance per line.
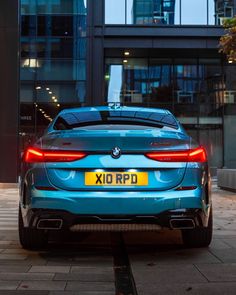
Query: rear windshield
x=74 y=120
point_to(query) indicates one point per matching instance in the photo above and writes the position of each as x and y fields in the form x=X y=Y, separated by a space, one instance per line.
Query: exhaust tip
x=53 y=224
x=182 y=223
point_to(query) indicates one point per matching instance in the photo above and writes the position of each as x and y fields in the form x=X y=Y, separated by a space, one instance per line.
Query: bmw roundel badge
x=116 y=152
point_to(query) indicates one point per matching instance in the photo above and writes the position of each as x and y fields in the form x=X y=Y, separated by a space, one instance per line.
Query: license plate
x=116 y=178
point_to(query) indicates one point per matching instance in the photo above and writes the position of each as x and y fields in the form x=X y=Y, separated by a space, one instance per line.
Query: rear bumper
x=113 y=206
x=63 y=220
x=116 y=202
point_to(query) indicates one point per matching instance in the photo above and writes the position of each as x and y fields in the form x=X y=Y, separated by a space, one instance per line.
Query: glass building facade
x=193 y=89
x=64 y=42
x=53 y=61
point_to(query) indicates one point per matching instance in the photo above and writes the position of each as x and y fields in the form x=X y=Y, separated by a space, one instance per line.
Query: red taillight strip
x=63 y=156
x=34 y=152
x=194 y=155
x=198 y=152
x=33 y=155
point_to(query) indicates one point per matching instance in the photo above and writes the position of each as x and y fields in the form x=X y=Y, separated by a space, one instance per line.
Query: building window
x=139 y=12
x=115 y=12
x=193 y=12
x=29 y=7
x=167 y=12
x=223 y=9
x=168 y=82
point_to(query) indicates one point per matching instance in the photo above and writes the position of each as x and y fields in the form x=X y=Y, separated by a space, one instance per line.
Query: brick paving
x=160 y=264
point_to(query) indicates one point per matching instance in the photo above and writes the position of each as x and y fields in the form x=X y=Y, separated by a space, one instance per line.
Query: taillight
x=194 y=155
x=33 y=155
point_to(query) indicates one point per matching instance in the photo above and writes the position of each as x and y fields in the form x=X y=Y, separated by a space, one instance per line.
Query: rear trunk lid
x=133 y=145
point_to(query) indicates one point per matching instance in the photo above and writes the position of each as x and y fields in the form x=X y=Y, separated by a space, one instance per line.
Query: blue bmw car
x=115 y=168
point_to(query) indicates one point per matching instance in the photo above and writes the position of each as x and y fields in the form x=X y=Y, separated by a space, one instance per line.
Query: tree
x=228 y=41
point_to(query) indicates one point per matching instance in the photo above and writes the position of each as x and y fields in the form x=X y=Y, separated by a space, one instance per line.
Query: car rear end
x=115 y=170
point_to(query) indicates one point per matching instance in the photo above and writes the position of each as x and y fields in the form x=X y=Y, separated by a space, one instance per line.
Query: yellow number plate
x=116 y=178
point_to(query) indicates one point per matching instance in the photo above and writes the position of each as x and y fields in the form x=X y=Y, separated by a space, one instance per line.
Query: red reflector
x=194 y=155
x=33 y=155
x=45 y=188
x=186 y=188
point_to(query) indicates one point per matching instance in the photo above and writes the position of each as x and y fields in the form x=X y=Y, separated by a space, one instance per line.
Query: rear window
x=74 y=120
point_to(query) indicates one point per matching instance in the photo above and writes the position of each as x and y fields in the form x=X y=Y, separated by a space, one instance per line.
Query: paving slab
x=218 y=273
x=193 y=289
x=13 y=268
x=88 y=275
x=25 y=276
x=219 y=244
x=4 y=256
x=8 y=285
x=167 y=274
x=4 y=243
x=231 y=242
x=95 y=270
x=172 y=256
x=225 y=255
x=91 y=286
x=89 y=262
x=42 y=285
x=22 y=292
x=20 y=251
x=82 y=293
x=50 y=269
x=27 y=262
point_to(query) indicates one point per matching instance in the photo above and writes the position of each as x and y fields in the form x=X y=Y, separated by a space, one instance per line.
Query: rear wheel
x=31 y=238
x=199 y=237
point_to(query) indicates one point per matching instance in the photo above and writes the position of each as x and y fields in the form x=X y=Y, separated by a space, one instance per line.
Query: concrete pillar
x=9 y=98
x=95 y=53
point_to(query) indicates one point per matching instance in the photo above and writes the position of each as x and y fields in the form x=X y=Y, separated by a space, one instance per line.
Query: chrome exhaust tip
x=186 y=223
x=53 y=224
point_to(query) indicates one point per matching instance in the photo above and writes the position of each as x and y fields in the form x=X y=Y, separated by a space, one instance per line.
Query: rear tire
x=31 y=238
x=199 y=237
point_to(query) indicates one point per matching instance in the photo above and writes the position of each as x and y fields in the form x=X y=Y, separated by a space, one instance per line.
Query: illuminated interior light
x=31 y=63
x=126 y=53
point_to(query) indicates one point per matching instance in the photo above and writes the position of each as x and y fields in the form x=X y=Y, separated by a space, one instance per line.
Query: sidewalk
x=160 y=264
